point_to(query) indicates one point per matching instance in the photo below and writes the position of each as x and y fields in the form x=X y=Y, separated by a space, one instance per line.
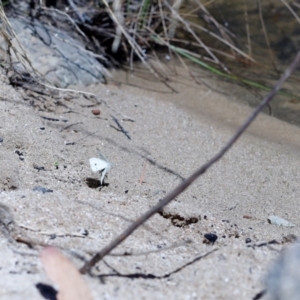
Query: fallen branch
x=186 y=183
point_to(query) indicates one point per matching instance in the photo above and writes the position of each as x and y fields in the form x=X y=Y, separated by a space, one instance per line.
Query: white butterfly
x=101 y=165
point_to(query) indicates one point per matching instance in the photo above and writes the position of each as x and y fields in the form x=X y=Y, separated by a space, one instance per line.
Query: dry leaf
x=64 y=275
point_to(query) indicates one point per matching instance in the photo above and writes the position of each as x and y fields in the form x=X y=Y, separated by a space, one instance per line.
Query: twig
x=186 y=183
x=67 y=127
x=73 y=143
x=121 y=128
x=53 y=234
x=175 y=245
x=75 y=9
x=47 y=9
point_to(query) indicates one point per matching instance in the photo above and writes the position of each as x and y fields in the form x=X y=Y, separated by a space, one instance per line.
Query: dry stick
x=181 y=187
x=134 y=35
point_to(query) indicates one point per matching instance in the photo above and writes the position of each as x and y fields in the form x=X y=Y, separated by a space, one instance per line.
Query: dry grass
x=121 y=32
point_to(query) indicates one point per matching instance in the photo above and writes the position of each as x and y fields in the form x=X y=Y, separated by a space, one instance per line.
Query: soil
x=47 y=142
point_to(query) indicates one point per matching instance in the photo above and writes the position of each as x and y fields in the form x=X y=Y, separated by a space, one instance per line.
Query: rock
x=56 y=55
x=96 y=112
x=275 y=220
x=42 y=189
x=210 y=238
x=283 y=281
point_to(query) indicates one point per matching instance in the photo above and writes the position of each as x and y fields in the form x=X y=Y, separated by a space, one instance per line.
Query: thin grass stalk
x=192 y=57
x=135 y=46
x=266 y=35
x=247 y=29
x=187 y=26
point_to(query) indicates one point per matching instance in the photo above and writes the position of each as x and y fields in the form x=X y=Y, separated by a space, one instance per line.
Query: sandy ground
x=173 y=134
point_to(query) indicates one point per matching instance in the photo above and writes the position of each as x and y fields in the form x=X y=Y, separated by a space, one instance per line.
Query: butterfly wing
x=98 y=164
x=102 y=157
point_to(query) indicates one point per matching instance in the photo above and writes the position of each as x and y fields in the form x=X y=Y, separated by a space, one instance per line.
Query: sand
x=171 y=136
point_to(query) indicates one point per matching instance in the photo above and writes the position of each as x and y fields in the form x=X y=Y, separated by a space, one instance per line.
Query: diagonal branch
x=186 y=183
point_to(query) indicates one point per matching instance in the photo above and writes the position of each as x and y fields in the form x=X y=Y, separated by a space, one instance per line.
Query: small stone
x=248 y=240
x=96 y=112
x=83 y=231
x=210 y=238
x=1 y=139
x=42 y=189
x=275 y=220
x=21 y=155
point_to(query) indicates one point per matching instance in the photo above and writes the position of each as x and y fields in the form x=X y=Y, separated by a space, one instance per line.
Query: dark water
x=283 y=32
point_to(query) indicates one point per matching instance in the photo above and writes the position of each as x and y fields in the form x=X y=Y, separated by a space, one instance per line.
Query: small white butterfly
x=101 y=165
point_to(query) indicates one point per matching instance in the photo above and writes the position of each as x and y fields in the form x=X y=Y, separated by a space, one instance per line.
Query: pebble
x=42 y=189
x=1 y=139
x=275 y=220
x=96 y=112
x=210 y=237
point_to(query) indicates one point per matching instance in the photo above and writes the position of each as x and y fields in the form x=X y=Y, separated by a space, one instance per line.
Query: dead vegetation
x=118 y=33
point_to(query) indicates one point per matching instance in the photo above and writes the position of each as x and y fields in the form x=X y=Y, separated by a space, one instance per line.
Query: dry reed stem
x=224 y=41
x=266 y=35
x=291 y=10
x=8 y=34
x=161 y=12
x=181 y=41
x=117 y=7
x=134 y=35
x=188 y=27
x=247 y=29
x=135 y=46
